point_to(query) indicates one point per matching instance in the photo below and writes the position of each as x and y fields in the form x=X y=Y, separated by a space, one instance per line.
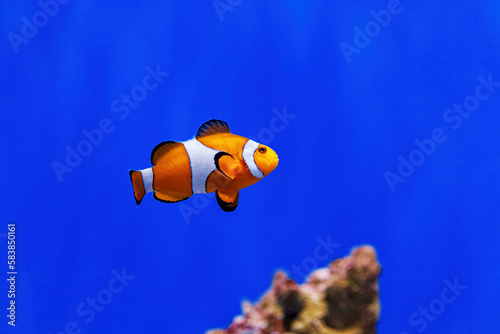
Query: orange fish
x=215 y=160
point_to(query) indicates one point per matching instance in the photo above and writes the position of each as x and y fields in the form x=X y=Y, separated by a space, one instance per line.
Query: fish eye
x=262 y=150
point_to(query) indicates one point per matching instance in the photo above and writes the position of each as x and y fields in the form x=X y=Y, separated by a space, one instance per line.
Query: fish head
x=266 y=159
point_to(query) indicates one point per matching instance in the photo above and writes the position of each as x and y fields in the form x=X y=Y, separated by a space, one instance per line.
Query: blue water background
x=352 y=122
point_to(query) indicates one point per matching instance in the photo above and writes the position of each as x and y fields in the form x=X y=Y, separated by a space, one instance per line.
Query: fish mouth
x=274 y=162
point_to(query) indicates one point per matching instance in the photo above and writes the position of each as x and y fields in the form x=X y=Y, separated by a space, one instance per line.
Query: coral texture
x=340 y=299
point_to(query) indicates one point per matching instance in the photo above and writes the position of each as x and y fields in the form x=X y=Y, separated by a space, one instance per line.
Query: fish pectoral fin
x=227 y=165
x=227 y=198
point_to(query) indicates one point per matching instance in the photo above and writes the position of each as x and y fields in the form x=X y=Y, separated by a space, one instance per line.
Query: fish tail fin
x=138 y=184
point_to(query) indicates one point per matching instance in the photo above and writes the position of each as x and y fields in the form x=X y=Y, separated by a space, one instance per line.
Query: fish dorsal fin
x=212 y=127
x=161 y=149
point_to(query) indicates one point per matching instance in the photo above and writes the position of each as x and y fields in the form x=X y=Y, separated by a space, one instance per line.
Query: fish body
x=214 y=161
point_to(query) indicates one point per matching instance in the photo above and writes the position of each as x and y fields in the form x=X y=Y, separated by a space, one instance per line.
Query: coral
x=340 y=299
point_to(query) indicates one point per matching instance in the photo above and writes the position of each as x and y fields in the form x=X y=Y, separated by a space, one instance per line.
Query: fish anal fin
x=161 y=149
x=168 y=198
x=227 y=198
x=227 y=165
x=212 y=127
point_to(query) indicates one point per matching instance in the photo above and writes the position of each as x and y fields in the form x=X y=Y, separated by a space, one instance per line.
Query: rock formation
x=340 y=299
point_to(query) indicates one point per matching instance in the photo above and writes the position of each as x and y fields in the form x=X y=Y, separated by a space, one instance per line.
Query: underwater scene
x=248 y=167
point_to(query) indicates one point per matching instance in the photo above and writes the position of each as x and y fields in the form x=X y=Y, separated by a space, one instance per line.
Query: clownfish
x=215 y=160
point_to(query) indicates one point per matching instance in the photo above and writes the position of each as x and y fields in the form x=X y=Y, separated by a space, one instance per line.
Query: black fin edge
x=213 y=122
x=164 y=201
x=224 y=205
x=157 y=147
x=216 y=160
